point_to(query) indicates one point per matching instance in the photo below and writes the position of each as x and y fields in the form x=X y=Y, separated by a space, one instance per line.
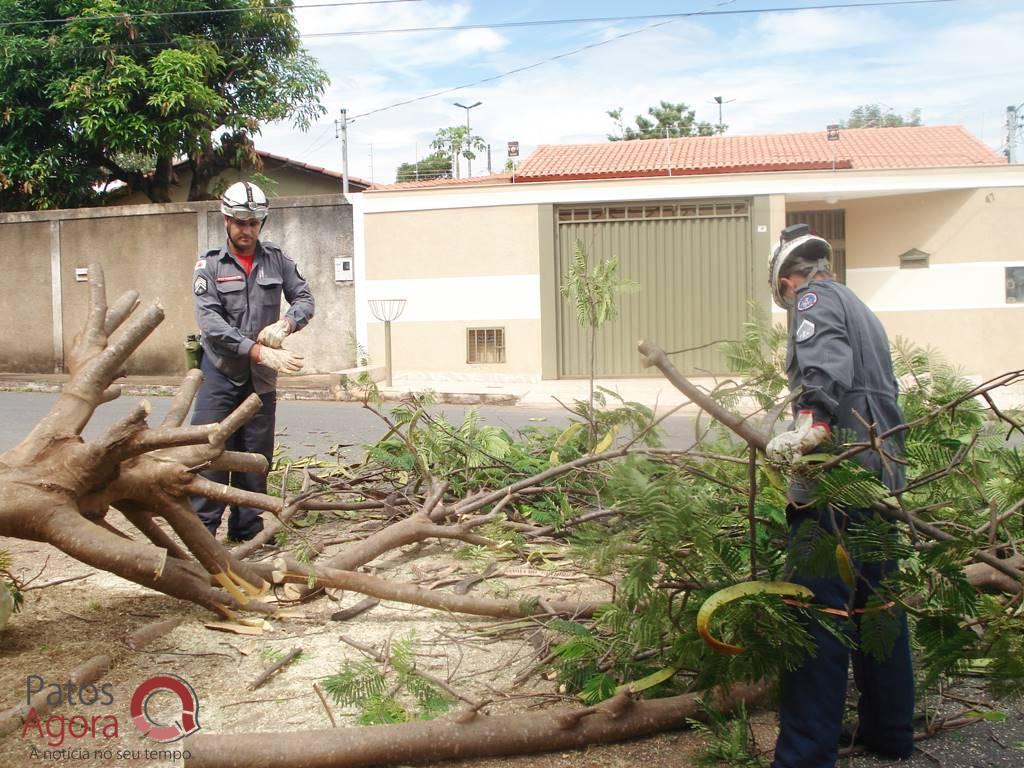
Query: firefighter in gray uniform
x=838 y=362
x=237 y=290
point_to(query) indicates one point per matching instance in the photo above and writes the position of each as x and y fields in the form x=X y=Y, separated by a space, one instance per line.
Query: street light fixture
x=469 y=163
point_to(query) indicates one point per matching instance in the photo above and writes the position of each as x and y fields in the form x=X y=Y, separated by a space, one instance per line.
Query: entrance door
x=831 y=225
x=692 y=265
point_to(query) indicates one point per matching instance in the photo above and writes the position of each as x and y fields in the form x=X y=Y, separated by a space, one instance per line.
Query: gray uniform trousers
x=218 y=396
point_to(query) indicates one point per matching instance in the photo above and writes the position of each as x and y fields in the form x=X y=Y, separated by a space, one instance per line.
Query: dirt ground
x=63 y=625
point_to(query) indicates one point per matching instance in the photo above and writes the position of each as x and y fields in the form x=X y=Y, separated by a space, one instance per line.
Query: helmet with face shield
x=798 y=251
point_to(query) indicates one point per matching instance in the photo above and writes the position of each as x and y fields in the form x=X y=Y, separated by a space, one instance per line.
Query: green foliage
x=879 y=628
x=682 y=533
x=355 y=683
x=449 y=144
x=729 y=740
x=114 y=82
x=592 y=291
x=11 y=597
x=396 y=693
x=760 y=355
x=875 y=116
x=437 y=165
x=667 y=120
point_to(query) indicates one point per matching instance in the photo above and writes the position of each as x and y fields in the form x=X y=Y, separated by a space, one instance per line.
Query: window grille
x=1015 y=285
x=485 y=345
x=717 y=210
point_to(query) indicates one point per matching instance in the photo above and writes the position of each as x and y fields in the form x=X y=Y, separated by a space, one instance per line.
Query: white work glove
x=273 y=335
x=281 y=360
x=805 y=435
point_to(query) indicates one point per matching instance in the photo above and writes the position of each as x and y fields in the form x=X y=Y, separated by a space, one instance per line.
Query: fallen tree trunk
x=56 y=487
x=468 y=734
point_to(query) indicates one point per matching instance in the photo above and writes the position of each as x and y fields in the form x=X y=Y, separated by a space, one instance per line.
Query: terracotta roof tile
x=356 y=184
x=496 y=178
x=857 y=148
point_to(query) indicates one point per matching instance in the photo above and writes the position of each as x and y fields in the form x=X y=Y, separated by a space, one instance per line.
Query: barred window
x=485 y=345
x=634 y=212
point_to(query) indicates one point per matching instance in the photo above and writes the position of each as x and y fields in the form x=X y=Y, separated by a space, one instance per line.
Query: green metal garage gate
x=692 y=263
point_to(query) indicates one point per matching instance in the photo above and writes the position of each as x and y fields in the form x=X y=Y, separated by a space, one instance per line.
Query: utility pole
x=1011 y=133
x=469 y=163
x=341 y=129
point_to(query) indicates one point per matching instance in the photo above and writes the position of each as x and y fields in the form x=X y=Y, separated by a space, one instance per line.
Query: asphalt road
x=305 y=427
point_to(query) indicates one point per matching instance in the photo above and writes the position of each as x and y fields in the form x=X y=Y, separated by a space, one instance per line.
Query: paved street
x=304 y=427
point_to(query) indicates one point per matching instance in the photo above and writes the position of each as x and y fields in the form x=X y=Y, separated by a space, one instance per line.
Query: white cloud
x=786 y=72
x=814 y=30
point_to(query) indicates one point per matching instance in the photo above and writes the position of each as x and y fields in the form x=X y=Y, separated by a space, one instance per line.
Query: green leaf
x=651 y=680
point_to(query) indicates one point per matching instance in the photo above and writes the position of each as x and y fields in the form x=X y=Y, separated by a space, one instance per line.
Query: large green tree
x=99 y=90
x=448 y=145
x=437 y=165
x=667 y=120
x=876 y=116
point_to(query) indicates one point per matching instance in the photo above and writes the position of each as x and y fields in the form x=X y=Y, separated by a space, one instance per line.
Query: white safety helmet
x=798 y=251
x=243 y=200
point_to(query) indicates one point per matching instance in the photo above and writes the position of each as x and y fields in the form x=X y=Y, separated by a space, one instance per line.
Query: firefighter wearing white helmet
x=800 y=252
x=237 y=290
x=840 y=372
x=245 y=201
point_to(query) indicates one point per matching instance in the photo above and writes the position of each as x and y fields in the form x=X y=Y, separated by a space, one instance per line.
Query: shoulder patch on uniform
x=807 y=301
x=805 y=330
x=199 y=286
x=201 y=264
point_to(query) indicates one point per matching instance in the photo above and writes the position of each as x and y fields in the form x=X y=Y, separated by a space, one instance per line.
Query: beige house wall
x=440 y=348
x=957 y=305
x=464 y=242
x=457 y=269
x=26 y=312
x=153 y=249
x=980 y=342
x=954 y=227
x=970 y=220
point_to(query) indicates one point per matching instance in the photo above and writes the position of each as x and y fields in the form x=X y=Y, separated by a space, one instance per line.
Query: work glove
x=805 y=436
x=281 y=360
x=273 y=335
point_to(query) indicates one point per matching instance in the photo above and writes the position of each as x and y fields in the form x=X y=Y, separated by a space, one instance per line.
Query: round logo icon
x=187 y=724
x=807 y=301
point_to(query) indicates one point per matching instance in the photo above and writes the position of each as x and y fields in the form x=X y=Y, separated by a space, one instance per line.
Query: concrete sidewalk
x=653 y=391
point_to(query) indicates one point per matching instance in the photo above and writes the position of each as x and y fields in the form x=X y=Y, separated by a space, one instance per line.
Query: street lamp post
x=469 y=163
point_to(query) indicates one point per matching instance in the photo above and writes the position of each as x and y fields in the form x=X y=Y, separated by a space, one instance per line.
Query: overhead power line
x=608 y=19
x=202 y=12
x=668 y=17
x=672 y=18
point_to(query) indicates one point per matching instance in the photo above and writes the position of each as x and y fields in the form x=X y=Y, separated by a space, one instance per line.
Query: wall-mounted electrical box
x=344 y=272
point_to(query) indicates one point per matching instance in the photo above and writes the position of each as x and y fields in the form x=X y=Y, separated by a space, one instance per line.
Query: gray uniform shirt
x=233 y=307
x=838 y=357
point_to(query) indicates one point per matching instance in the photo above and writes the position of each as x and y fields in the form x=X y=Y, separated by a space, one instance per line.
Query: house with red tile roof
x=926 y=222
x=290 y=178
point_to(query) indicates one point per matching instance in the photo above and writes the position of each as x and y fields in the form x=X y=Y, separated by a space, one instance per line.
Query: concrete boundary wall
x=153 y=249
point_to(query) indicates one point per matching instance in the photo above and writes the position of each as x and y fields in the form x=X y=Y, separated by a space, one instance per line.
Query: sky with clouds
x=960 y=62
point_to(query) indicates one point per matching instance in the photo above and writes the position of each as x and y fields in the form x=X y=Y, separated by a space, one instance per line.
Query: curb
x=324 y=394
